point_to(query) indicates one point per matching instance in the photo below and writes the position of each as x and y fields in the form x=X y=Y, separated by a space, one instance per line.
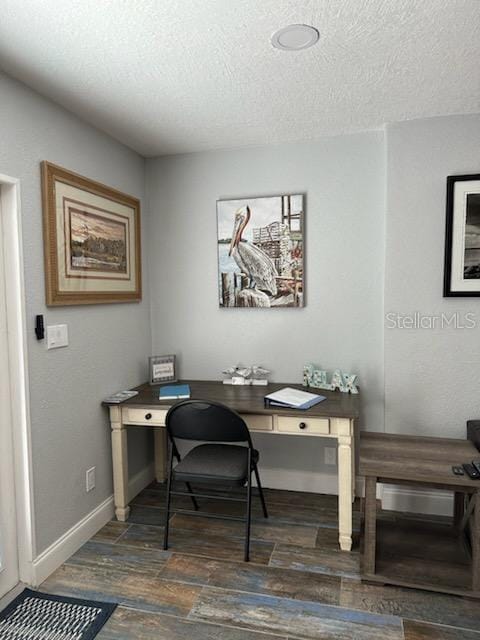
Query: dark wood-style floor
x=298 y=584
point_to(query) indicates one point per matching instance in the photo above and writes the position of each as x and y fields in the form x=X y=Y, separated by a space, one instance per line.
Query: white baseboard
x=11 y=595
x=394 y=498
x=297 y=480
x=439 y=503
x=58 y=552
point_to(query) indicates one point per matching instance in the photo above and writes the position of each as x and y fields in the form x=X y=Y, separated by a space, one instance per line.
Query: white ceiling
x=170 y=76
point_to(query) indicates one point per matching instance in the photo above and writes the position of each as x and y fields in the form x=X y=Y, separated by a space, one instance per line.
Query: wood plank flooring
x=297 y=586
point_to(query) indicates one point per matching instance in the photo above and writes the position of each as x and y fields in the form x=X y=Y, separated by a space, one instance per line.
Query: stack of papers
x=120 y=396
x=293 y=398
x=174 y=392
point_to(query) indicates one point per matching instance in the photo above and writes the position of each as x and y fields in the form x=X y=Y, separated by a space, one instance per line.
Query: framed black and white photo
x=162 y=369
x=462 y=237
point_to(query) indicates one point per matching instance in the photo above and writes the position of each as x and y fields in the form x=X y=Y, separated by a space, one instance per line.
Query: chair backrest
x=206 y=421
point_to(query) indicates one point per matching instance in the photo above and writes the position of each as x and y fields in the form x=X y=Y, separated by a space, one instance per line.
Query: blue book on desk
x=174 y=392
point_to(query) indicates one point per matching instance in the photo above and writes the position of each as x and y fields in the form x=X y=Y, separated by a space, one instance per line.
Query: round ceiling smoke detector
x=295 y=37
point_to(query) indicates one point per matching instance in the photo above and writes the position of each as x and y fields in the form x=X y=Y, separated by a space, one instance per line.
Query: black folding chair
x=208 y=463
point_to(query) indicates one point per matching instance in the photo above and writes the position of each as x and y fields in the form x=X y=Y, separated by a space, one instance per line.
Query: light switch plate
x=57 y=336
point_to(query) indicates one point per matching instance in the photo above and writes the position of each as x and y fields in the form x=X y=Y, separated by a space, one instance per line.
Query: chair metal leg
x=260 y=491
x=189 y=487
x=167 y=506
x=249 y=509
x=175 y=451
x=194 y=500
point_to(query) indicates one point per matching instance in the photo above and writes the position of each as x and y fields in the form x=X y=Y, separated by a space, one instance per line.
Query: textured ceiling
x=169 y=76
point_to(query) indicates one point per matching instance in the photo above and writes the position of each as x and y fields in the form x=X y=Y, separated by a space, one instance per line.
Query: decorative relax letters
x=318 y=378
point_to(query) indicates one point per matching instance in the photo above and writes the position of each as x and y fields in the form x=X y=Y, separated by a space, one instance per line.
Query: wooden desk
x=413 y=460
x=333 y=418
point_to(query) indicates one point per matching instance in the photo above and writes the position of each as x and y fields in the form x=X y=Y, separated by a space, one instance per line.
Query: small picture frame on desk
x=162 y=369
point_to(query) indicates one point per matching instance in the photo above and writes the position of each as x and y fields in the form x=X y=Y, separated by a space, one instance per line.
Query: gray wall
x=109 y=344
x=432 y=377
x=342 y=324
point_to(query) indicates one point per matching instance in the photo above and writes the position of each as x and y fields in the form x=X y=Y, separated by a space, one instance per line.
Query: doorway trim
x=18 y=372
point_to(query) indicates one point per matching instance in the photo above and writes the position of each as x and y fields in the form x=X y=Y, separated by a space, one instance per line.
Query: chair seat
x=215 y=463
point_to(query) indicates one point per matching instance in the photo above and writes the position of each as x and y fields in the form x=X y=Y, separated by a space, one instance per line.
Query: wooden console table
x=424 y=463
x=335 y=418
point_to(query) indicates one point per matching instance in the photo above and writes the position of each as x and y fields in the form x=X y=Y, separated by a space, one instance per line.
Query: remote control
x=471 y=471
x=476 y=464
x=458 y=471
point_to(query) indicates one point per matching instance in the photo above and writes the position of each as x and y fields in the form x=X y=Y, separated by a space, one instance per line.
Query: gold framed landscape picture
x=92 y=240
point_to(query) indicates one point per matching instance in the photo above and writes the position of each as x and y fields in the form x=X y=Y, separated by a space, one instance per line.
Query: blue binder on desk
x=290 y=398
x=174 y=392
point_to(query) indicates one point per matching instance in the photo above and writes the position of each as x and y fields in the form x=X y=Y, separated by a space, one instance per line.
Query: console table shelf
x=433 y=554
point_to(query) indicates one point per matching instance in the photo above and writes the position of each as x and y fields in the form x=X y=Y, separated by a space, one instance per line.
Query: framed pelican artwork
x=260 y=251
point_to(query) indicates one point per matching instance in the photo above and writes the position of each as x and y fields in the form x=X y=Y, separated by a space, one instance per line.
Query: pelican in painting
x=253 y=262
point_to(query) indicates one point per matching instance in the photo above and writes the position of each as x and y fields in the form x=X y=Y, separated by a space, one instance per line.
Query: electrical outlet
x=90 y=479
x=330 y=455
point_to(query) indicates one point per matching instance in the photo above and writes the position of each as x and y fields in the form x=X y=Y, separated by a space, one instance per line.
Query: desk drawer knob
x=148 y=416
x=302 y=425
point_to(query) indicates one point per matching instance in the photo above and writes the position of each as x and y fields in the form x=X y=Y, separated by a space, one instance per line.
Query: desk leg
x=370 y=535
x=120 y=464
x=160 y=436
x=353 y=466
x=458 y=508
x=475 y=536
x=345 y=493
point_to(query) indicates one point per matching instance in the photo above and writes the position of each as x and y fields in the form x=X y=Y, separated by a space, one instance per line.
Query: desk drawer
x=304 y=426
x=259 y=423
x=144 y=416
